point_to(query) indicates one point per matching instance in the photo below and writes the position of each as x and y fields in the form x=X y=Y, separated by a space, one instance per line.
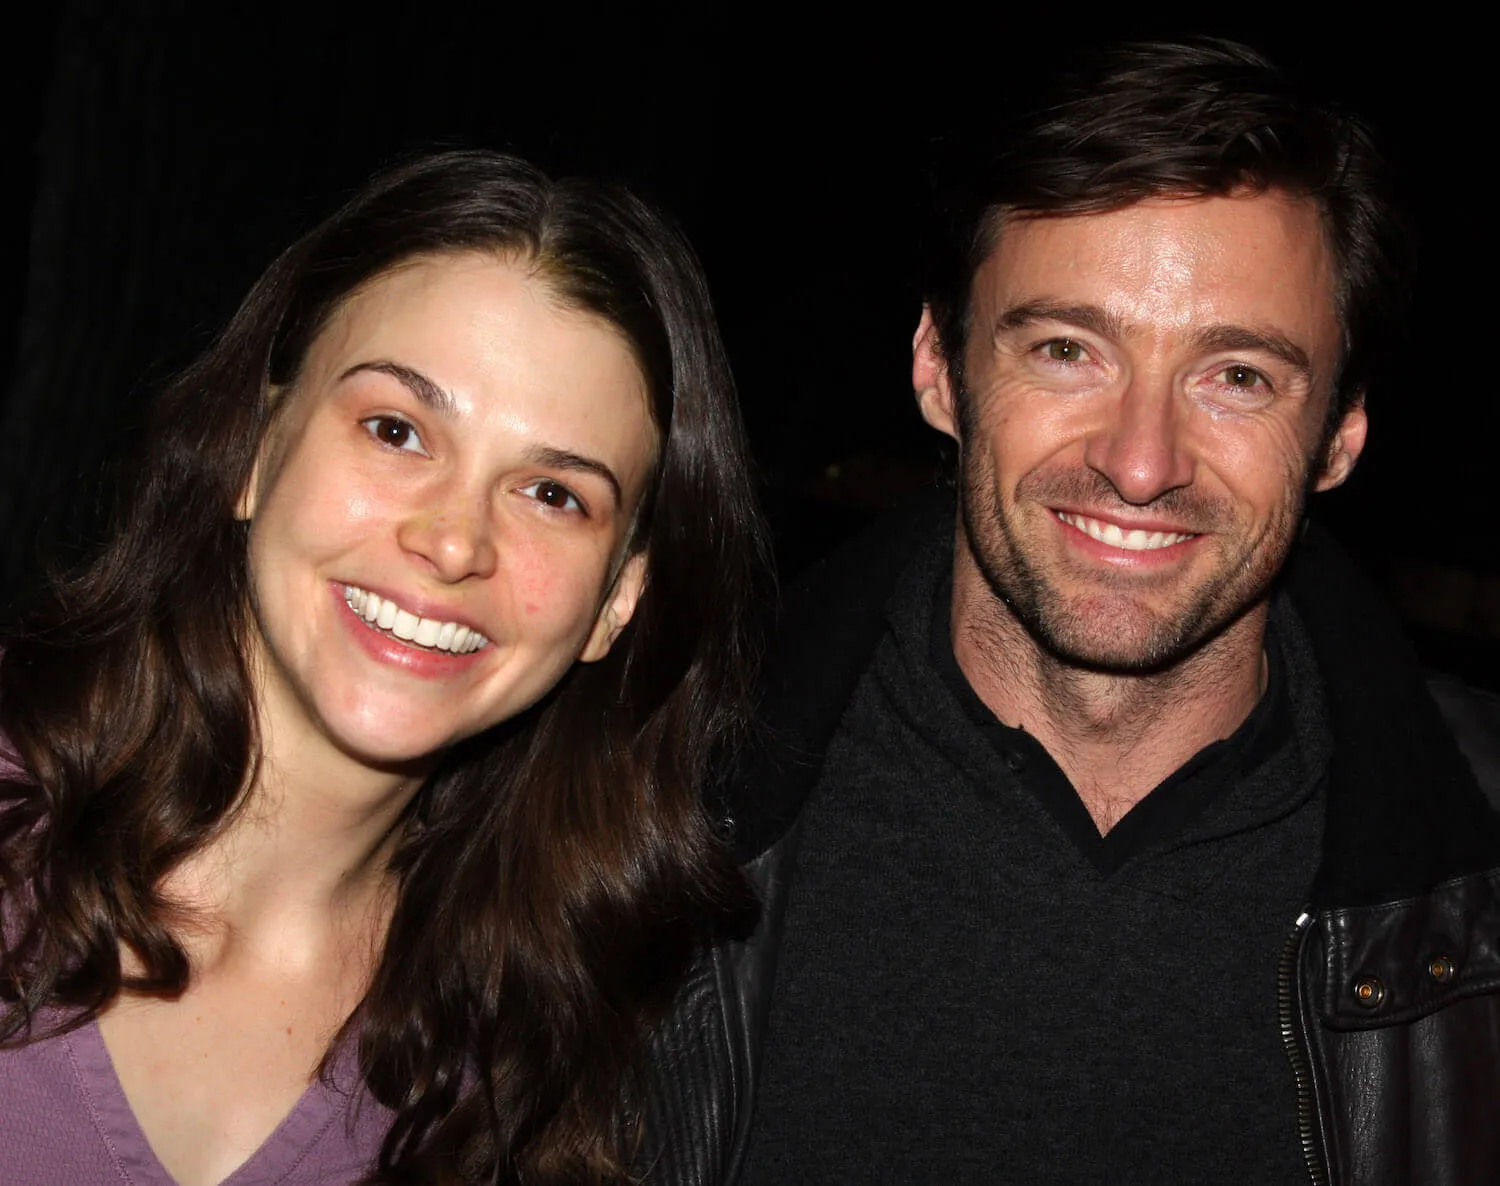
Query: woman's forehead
x=483 y=339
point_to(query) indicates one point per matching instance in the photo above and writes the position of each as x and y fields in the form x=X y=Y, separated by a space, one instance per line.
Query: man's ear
x=930 y=378
x=617 y=610
x=1344 y=446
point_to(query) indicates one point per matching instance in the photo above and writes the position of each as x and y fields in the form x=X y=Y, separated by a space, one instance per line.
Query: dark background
x=161 y=153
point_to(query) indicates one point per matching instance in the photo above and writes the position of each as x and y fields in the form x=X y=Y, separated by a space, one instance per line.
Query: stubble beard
x=1108 y=629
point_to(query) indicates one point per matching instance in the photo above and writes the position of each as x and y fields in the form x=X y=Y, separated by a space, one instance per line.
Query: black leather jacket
x=1389 y=984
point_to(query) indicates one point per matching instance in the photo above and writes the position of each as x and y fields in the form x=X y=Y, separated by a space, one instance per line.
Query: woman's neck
x=304 y=863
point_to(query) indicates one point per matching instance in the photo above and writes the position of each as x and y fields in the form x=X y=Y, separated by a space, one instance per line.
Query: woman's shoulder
x=46 y=1128
x=11 y=766
x=19 y=827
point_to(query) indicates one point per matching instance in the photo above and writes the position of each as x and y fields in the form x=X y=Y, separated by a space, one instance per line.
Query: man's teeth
x=425 y=632
x=1115 y=537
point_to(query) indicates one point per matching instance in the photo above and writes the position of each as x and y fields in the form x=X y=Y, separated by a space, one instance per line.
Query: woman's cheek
x=554 y=586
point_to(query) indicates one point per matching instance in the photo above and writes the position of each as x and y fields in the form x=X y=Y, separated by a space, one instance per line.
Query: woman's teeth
x=1117 y=537
x=384 y=614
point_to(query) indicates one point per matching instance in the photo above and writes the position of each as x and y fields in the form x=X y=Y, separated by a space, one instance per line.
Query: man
x=1107 y=832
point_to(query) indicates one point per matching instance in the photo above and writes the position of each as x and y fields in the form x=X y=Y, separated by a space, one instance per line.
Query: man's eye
x=394 y=432
x=1242 y=376
x=1064 y=350
x=553 y=494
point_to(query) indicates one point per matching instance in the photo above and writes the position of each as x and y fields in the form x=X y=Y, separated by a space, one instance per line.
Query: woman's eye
x=1064 y=350
x=553 y=494
x=395 y=432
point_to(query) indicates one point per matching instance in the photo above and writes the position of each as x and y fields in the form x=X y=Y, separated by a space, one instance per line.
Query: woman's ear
x=244 y=506
x=619 y=607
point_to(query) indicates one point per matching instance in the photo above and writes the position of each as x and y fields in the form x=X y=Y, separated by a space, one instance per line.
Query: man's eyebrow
x=1093 y=318
x=1101 y=321
x=565 y=459
x=414 y=381
x=1238 y=337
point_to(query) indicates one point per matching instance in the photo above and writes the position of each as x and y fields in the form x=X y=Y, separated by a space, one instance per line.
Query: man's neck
x=1116 y=736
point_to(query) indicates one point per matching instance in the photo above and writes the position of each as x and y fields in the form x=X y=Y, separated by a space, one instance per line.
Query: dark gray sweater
x=972 y=989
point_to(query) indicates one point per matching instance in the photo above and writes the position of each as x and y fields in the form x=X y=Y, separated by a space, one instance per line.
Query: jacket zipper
x=1297 y=1051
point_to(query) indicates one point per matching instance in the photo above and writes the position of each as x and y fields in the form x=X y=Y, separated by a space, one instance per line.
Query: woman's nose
x=457 y=540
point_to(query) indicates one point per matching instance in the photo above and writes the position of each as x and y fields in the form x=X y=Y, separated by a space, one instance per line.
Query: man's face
x=1146 y=391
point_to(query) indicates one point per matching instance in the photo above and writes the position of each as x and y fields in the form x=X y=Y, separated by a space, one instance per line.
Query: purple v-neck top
x=65 y=1121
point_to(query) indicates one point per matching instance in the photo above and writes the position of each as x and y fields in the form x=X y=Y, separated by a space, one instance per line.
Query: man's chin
x=1114 y=639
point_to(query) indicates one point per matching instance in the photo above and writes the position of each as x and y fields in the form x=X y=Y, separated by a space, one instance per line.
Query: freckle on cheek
x=533 y=585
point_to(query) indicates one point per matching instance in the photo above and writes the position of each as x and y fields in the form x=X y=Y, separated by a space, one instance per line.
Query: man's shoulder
x=860 y=573
x=704 y=1056
x=832 y=619
x=1473 y=714
x=1405 y=808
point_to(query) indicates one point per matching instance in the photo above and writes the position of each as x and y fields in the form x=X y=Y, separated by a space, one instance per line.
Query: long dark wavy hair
x=556 y=872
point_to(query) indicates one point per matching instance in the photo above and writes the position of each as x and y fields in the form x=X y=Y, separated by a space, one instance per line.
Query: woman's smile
x=388 y=649
x=384 y=614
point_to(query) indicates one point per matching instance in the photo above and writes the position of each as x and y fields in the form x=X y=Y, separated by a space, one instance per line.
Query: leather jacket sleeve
x=704 y=1060
x=1400 y=1005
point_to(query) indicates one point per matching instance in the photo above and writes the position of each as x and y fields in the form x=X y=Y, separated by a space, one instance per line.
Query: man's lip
x=1139 y=542
x=1126 y=524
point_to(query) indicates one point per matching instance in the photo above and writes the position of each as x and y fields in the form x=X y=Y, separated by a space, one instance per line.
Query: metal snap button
x=725 y=827
x=1442 y=969
x=1369 y=992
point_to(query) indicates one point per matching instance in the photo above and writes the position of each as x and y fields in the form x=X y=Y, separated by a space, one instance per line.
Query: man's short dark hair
x=1199 y=117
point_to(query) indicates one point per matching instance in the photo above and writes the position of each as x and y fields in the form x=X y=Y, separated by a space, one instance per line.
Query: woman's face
x=439 y=516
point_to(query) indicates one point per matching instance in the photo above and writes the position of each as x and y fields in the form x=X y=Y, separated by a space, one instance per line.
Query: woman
x=349 y=823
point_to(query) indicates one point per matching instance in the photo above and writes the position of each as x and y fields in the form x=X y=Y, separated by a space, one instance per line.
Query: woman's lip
x=418 y=604
x=389 y=650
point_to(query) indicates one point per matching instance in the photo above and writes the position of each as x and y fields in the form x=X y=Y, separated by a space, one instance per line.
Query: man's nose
x=455 y=535
x=1139 y=447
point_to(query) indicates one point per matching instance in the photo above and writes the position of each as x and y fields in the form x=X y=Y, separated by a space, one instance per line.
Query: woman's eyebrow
x=566 y=459
x=444 y=404
x=416 y=382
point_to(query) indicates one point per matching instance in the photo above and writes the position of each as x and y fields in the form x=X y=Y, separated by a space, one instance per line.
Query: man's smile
x=1130 y=540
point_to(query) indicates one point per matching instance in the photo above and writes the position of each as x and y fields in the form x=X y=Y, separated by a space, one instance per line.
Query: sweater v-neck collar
x=1167 y=812
x=1404 y=812
x=319 y=1107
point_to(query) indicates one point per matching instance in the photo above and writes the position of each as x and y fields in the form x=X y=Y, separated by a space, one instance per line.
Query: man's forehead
x=1170 y=261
